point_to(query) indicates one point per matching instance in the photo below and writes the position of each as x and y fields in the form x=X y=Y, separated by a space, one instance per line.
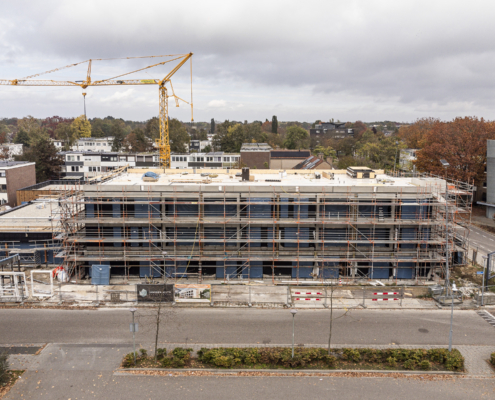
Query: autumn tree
x=462 y=142
x=414 y=135
x=81 y=127
x=50 y=124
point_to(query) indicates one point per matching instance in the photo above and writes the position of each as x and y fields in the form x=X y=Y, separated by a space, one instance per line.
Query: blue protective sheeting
x=259 y=210
x=380 y=273
x=304 y=271
x=146 y=270
x=100 y=275
x=151 y=174
x=329 y=269
x=405 y=273
x=256 y=270
x=90 y=209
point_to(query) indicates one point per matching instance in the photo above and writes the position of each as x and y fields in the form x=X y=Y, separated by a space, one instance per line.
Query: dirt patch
x=11 y=380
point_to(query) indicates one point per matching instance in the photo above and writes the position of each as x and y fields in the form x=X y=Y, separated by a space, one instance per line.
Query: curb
x=217 y=371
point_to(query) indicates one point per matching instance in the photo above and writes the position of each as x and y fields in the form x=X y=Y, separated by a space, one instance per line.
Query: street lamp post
x=133 y=310
x=293 y=312
x=454 y=289
x=445 y=164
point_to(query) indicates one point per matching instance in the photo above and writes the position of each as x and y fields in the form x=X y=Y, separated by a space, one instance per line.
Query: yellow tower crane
x=163 y=143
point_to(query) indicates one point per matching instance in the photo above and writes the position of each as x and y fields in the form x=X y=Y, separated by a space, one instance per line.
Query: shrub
x=425 y=365
x=182 y=354
x=392 y=361
x=166 y=362
x=438 y=355
x=352 y=355
x=409 y=364
x=4 y=368
x=128 y=361
x=454 y=361
x=144 y=353
x=492 y=359
x=161 y=353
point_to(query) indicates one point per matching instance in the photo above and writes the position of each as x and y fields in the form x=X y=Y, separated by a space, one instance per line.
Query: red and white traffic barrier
x=315 y=299
x=385 y=293
x=308 y=293
x=384 y=299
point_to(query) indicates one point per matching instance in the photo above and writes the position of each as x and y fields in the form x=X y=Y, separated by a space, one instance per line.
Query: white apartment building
x=217 y=159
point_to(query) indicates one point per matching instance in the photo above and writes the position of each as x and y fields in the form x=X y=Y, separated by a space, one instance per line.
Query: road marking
x=483 y=236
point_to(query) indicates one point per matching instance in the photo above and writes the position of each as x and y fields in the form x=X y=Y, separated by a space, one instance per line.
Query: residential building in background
x=98 y=145
x=216 y=160
x=287 y=159
x=84 y=165
x=255 y=155
x=198 y=145
x=9 y=150
x=313 y=162
x=331 y=129
x=15 y=175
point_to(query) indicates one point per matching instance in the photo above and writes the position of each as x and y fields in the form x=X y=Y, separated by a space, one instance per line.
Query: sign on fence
x=148 y=293
x=192 y=293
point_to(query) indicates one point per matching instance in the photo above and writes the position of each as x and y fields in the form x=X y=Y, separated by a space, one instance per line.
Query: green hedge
x=307 y=357
x=318 y=358
x=492 y=359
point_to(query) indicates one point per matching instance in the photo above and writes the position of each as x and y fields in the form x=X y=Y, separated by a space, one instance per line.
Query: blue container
x=100 y=275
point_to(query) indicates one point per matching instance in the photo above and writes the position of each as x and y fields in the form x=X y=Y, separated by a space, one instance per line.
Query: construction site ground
x=309 y=295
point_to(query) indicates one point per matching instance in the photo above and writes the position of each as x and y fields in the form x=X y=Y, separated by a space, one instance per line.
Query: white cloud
x=217 y=104
x=350 y=60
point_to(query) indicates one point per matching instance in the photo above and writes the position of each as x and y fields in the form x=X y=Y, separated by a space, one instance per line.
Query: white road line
x=483 y=236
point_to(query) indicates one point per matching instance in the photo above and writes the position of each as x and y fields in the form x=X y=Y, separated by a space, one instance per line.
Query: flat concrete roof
x=35 y=215
x=262 y=178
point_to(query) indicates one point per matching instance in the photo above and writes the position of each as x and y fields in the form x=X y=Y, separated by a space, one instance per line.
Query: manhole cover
x=423 y=330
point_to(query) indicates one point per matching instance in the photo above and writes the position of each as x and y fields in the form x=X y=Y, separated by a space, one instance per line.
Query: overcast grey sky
x=300 y=60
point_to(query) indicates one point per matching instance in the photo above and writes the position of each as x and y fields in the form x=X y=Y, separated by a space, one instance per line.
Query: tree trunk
x=158 y=312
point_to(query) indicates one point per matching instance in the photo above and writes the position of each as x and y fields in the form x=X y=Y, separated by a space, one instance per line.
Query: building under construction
x=264 y=225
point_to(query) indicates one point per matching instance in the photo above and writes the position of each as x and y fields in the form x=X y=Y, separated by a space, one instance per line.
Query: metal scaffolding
x=270 y=232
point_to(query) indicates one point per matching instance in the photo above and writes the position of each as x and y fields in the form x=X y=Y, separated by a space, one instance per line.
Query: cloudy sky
x=349 y=60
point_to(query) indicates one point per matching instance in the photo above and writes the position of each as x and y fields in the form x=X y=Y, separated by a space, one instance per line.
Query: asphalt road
x=483 y=240
x=245 y=326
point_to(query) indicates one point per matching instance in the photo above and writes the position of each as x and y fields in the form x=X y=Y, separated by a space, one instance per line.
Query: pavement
x=227 y=325
x=82 y=371
x=85 y=348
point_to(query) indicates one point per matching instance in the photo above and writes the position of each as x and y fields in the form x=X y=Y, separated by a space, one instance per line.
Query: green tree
x=326 y=151
x=64 y=132
x=45 y=155
x=152 y=128
x=81 y=127
x=274 y=124
x=22 y=137
x=212 y=126
x=207 y=149
x=296 y=138
x=178 y=136
x=118 y=133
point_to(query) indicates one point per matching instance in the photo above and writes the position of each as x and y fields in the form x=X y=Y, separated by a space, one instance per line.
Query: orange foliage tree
x=462 y=142
x=414 y=134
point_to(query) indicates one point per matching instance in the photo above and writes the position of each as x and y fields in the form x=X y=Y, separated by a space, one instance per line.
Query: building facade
x=267 y=225
x=15 y=175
